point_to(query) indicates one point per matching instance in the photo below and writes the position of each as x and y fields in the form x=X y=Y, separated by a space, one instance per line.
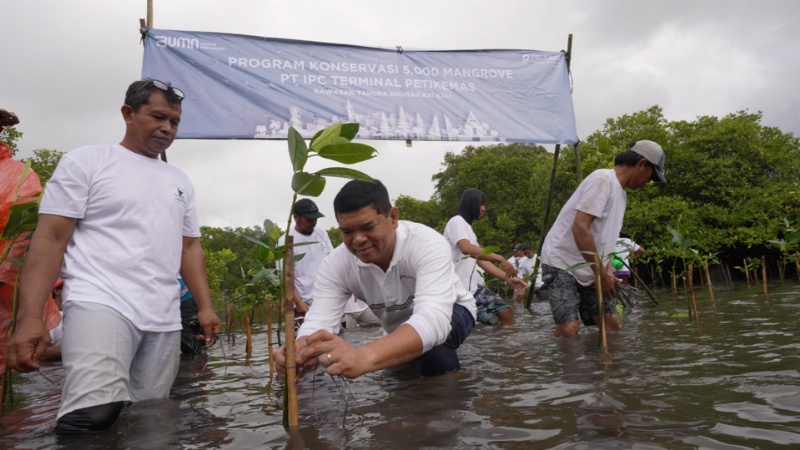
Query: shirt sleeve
x=67 y=192
x=330 y=297
x=435 y=293
x=595 y=195
x=456 y=230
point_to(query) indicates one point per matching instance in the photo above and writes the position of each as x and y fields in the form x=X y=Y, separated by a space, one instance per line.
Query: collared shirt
x=419 y=288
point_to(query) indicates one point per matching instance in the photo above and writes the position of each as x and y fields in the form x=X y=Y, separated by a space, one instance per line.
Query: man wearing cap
x=588 y=225
x=305 y=229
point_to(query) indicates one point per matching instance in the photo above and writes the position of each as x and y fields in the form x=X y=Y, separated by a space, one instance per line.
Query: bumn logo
x=177 y=42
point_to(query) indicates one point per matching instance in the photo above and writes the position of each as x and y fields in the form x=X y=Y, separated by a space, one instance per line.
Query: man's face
x=528 y=253
x=152 y=129
x=304 y=225
x=519 y=253
x=643 y=173
x=369 y=235
x=482 y=211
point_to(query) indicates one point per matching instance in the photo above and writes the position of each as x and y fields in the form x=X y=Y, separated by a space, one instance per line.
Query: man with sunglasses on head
x=588 y=226
x=125 y=226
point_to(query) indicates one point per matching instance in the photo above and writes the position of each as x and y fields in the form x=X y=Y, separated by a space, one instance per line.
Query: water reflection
x=661 y=385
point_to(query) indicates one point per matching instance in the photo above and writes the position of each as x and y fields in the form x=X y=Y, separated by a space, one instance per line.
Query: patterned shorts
x=570 y=300
x=489 y=304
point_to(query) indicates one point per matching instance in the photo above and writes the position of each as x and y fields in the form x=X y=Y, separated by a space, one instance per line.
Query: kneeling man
x=403 y=270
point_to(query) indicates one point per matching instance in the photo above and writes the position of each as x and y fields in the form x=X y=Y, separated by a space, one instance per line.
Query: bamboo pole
x=708 y=278
x=600 y=307
x=288 y=301
x=248 y=322
x=551 y=188
x=268 y=306
x=764 y=273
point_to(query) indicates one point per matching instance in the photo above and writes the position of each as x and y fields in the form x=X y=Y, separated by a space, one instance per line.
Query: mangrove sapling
x=333 y=143
x=764 y=273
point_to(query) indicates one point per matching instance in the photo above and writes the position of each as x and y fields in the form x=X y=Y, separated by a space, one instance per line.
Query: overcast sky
x=65 y=65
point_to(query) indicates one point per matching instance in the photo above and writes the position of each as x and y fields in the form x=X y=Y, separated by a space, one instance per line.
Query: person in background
x=358 y=314
x=118 y=224
x=53 y=351
x=192 y=343
x=587 y=227
x=625 y=247
x=463 y=242
x=404 y=272
x=305 y=230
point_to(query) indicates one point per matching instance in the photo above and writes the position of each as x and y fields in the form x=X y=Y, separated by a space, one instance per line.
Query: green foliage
x=335 y=236
x=10 y=136
x=515 y=179
x=227 y=252
x=730 y=181
x=44 y=163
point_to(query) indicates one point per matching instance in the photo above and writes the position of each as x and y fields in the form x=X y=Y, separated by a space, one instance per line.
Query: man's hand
x=508 y=268
x=300 y=307
x=517 y=283
x=334 y=353
x=304 y=366
x=27 y=346
x=212 y=327
x=609 y=284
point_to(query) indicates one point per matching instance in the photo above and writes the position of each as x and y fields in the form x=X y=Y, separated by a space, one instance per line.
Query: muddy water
x=732 y=384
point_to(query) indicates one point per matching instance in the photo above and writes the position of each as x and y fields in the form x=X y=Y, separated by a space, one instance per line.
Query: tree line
x=731 y=192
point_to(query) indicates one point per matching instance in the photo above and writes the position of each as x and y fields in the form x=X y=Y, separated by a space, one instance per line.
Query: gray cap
x=653 y=153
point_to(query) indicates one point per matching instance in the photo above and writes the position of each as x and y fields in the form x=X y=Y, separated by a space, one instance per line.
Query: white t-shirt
x=133 y=212
x=305 y=270
x=601 y=196
x=526 y=268
x=457 y=229
x=419 y=288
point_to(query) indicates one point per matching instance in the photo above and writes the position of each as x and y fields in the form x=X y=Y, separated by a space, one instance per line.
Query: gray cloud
x=66 y=66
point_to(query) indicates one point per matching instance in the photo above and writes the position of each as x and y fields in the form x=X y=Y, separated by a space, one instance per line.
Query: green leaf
x=349 y=130
x=344 y=172
x=326 y=137
x=272 y=232
x=255 y=241
x=305 y=183
x=298 y=152
x=348 y=153
x=489 y=250
x=19 y=207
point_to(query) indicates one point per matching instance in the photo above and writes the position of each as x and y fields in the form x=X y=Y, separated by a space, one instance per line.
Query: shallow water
x=733 y=384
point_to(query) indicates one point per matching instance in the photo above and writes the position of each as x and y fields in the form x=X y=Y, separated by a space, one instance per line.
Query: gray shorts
x=570 y=300
x=106 y=359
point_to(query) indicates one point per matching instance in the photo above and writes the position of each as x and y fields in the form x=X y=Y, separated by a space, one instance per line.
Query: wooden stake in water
x=746 y=272
x=288 y=302
x=797 y=264
x=764 y=273
x=694 y=302
x=600 y=307
x=708 y=278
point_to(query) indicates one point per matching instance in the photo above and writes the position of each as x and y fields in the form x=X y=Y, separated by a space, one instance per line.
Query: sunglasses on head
x=165 y=87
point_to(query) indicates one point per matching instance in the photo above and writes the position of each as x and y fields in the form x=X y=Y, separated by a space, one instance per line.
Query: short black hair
x=628 y=157
x=357 y=194
x=139 y=92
